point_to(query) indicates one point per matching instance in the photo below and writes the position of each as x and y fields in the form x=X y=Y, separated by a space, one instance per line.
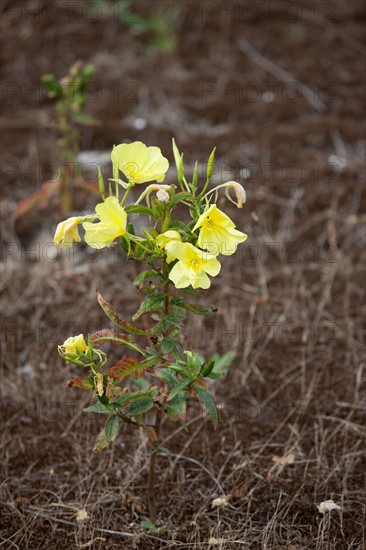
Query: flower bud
x=162 y=196
x=67 y=232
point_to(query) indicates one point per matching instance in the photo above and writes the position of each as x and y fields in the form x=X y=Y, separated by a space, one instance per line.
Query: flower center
x=208 y=224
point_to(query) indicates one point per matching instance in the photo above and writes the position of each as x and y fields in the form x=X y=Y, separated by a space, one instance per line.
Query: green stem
x=126 y=195
x=152 y=470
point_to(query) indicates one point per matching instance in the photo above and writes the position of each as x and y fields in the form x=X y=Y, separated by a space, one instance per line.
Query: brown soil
x=287 y=120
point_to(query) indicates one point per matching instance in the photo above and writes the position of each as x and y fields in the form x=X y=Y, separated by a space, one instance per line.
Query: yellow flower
x=217 y=232
x=74 y=344
x=113 y=221
x=139 y=163
x=169 y=241
x=67 y=232
x=193 y=266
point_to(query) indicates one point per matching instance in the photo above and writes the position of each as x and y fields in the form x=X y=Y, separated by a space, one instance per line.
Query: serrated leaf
x=112 y=427
x=178 y=388
x=208 y=402
x=139 y=406
x=114 y=317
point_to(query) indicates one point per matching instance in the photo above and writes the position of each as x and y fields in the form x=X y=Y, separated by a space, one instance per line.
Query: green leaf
x=197 y=309
x=112 y=427
x=178 y=198
x=178 y=388
x=222 y=364
x=98 y=408
x=150 y=303
x=137 y=209
x=179 y=405
x=141 y=278
x=167 y=375
x=139 y=406
x=167 y=345
x=175 y=224
x=207 y=368
x=113 y=316
x=208 y=401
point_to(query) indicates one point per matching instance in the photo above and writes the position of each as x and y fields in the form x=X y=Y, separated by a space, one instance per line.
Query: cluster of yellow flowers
x=215 y=231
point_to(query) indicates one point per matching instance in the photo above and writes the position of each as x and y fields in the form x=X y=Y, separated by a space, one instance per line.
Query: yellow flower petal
x=113 y=221
x=168 y=242
x=74 y=344
x=217 y=232
x=193 y=266
x=139 y=163
x=67 y=232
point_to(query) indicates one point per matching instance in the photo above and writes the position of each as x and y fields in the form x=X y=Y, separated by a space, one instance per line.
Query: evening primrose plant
x=156 y=374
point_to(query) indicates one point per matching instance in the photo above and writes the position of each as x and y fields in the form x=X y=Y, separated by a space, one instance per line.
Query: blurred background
x=278 y=87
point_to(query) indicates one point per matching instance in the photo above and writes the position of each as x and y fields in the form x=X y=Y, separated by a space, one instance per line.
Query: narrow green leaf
x=197 y=309
x=208 y=401
x=178 y=388
x=179 y=405
x=137 y=209
x=207 y=368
